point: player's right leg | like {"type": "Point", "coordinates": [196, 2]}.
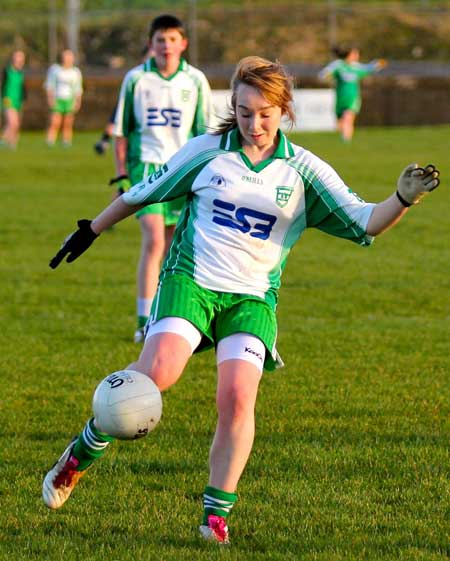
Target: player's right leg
{"type": "Point", "coordinates": [53, 128]}
{"type": "Point", "coordinates": [152, 253]}
{"type": "Point", "coordinates": [11, 132]}
{"type": "Point", "coordinates": [81, 452]}
{"type": "Point", "coordinates": [163, 357]}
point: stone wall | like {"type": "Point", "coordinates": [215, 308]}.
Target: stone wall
{"type": "Point", "coordinates": [386, 101]}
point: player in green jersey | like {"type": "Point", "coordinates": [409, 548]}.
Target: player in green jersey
{"type": "Point", "coordinates": [13, 95]}
{"type": "Point", "coordinates": [64, 92]}
{"type": "Point", "coordinates": [250, 195]}
{"type": "Point", "coordinates": [162, 104]}
{"type": "Point", "coordinates": [347, 73]}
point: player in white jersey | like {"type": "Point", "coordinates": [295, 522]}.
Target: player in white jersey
{"type": "Point", "coordinates": [162, 104]}
{"type": "Point", "coordinates": [251, 193]}
{"type": "Point", "coordinates": [64, 87]}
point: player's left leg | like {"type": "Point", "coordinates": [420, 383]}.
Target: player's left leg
{"type": "Point", "coordinates": [348, 125]}
{"type": "Point", "coordinates": [240, 360]}
{"type": "Point", "coordinates": [12, 126]}
{"type": "Point", "coordinates": [67, 128]}
{"type": "Point", "coordinates": [152, 253]}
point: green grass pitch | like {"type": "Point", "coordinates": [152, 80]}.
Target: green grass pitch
{"type": "Point", "coordinates": [351, 460]}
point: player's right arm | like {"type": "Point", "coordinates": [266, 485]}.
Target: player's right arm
{"type": "Point", "coordinates": [173, 180]}
{"type": "Point", "coordinates": [328, 71]}
{"type": "Point", "coordinates": [50, 84]}
{"type": "Point", "coordinates": [123, 120]}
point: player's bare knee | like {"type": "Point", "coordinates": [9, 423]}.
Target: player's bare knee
{"type": "Point", "coordinates": [236, 404]}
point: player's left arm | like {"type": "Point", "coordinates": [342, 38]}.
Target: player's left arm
{"type": "Point", "coordinates": [368, 68]}
{"type": "Point", "coordinates": [413, 184]}
{"type": "Point", "coordinates": [78, 90]}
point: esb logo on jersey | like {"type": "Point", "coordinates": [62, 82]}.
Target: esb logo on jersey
{"type": "Point", "coordinates": [246, 220]}
{"type": "Point", "coordinates": [166, 117]}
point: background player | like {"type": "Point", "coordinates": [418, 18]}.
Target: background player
{"type": "Point", "coordinates": [162, 104]}
{"type": "Point", "coordinates": [64, 91]}
{"type": "Point", "coordinates": [102, 145]}
{"type": "Point", "coordinates": [251, 194]}
{"type": "Point", "coordinates": [13, 96]}
{"type": "Point", "coordinates": [347, 73]}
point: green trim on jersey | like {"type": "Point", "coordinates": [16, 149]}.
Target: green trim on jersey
{"type": "Point", "coordinates": [293, 234]}
{"type": "Point", "coordinates": [200, 122]}
{"type": "Point", "coordinates": [151, 66]}
{"type": "Point", "coordinates": [129, 123]}
{"type": "Point", "coordinates": [182, 244]}
{"type": "Point", "coordinates": [180, 181]}
{"type": "Point", "coordinates": [323, 211]}
{"type": "Point", "coordinates": [231, 142]}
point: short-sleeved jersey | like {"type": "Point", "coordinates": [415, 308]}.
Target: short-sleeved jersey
{"type": "Point", "coordinates": [13, 87]}
{"type": "Point", "coordinates": [347, 77]}
{"type": "Point", "coordinates": [158, 115]}
{"type": "Point", "coordinates": [64, 83]}
{"type": "Point", "coordinates": [241, 220]}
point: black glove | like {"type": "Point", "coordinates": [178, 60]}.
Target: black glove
{"type": "Point", "coordinates": [75, 244]}
{"type": "Point", "coordinates": [123, 183]}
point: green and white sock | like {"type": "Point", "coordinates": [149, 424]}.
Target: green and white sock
{"type": "Point", "coordinates": [91, 445]}
{"type": "Point", "coordinates": [218, 502]}
{"type": "Point", "coordinates": [143, 307]}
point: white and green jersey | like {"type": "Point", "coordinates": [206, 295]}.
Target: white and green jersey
{"type": "Point", "coordinates": [159, 115]}
{"type": "Point", "coordinates": [241, 220]}
{"type": "Point", "coordinates": [64, 83]}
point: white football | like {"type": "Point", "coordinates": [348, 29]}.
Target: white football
{"type": "Point", "coordinates": [127, 405]}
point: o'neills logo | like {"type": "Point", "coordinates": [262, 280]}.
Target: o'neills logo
{"type": "Point", "coordinates": [251, 179]}
{"type": "Point", "coordinates": [283, 195]}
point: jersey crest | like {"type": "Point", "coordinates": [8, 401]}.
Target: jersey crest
{"type": "Point", "coordinates": [283, 194]}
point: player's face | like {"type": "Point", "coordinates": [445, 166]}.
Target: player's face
{"type": "Point", "coordinates": [67, 58]}
{"type": "Point", "coordinates": [353, 55]}
{"type": "Point", "coordinates": [168, 45]}
{"type": "Point", "coordinates": [18, 59]}
{"type": "Point", "coordinates": [257, 119]}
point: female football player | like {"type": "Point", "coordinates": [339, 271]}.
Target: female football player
{"type": "Point", "coordinates": [347, 73]}
{"type": "Point", "coordinates": [251, 193]}
{"type": "Point", "coordinates": [64, 87]}
{"type": "Point", "coordinates": [13, 96]}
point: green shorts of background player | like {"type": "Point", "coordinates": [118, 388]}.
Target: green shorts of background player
{"type": "Point", "coordinates": [12, 103]}
{"type": "Point", "coordinates": [62, 116]}
{"type": "Point", "coordinates": [170, 210]}
{"type": "Point", "coordinates": [352, 104]}
{"type": "Point", "coordinates": [63, 106]}
{"type": "Point", "coordinates": [347, 109]}
{"type": "Point", "coordinates": [157, 223]}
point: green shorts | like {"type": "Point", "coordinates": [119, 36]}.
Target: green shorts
{"type": "Point", "coordinates": [217, 314]}
{"type": "Point", "coordinates": [171, 210]}
{"type": "Point", "coordinates": [12, 103]}
{"type": "Point", "coordinates": [63, 106]}
{"type": "Point", "coordinates": [349, 104]}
